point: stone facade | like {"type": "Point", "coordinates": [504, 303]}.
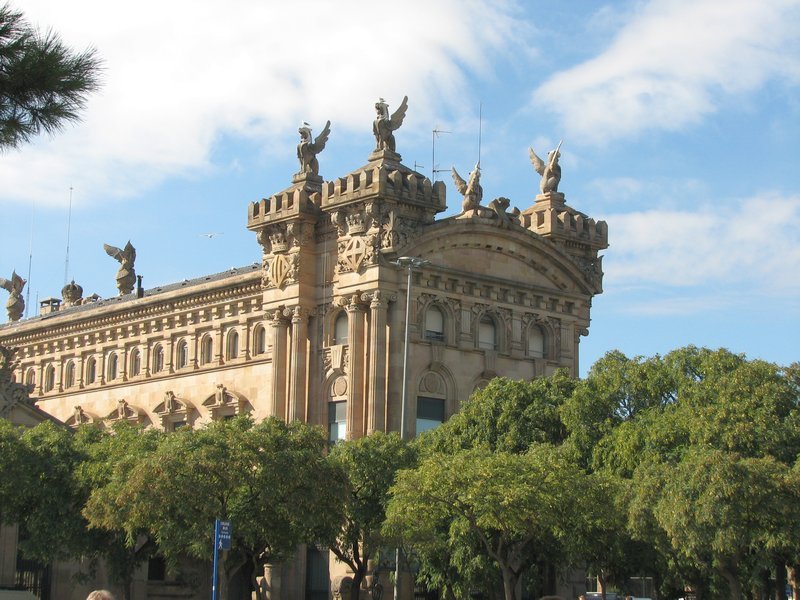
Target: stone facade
{"type": "Point", "coordinates": [315, 330]}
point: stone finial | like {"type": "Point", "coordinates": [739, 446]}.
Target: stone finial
{"type": "Point", "coordinates": [126, 276]}
{"type": "Point", "coordinates": [308, 149]}
{"type": "Point", "coordinates": [15, 304]}
{"type": "Point", "coordinates": [72, 294]}
{"type": "Point", "coordinates": [550, 171]}
{"type": "Point", "coordinates": [471, 190]}
{"type": "Point", "coordinates": [384, 125]}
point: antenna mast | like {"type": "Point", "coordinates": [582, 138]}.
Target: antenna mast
{"type": "Point", "coordinates": [69, 227]}
{"type": "Point", "coordinates": [480, 128]}
{"type": "Point", "coordinates": [435, 134]}
{"type": "Point", "coordinates": [30, 262]}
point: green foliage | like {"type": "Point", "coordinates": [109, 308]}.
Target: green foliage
{"type": "Point", "coordinates": [506, 416]}
{"type": "Point", "coordinates": [369, 465]}
{"type": "Point", "coordinates": [43, 83]}
{"type": "Point", "coordinates": [514, 509]}
{"type": "Point", "coordinates": [269, 480]}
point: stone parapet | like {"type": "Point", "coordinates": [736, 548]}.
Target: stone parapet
{"type": "Point", "coordinates": [551, 217]}
{"type": "Point", "coordinates": [283, 206]}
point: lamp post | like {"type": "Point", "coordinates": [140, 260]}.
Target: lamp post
{"type": "Point", "coordinates": [409, 263]}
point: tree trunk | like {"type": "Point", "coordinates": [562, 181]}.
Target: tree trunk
{"type": "Point", "coordinates": [734, 587]}
{"type": "Point", "coordinates": [358, 577]}
{"type": "Point", "coordinates": [510, 580]}
{"type": "Point", "coordinates": [601, 582]}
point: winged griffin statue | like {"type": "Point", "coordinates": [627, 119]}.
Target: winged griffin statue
{"type": "Point", "coordinates": [15, 304]}
{"type": "Point", "coordinates": [126, 276]}
{"type": "Point", "coordinates": [471, 190]}
{"type": "Point", "coordinates": [384, 125]}
{"type": "Point", "coordinates": [550, 171]}
{"type": "Point", "coordinates": [308, 149]}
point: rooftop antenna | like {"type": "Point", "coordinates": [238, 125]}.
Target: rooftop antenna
{"type": "Point", "coordinates": [480, 128]}
{"type": "Point", "coordinates": [69, 227]}
{"type": "Point", "coordinates": [30, 262]}
{"type": "Point", "coordinates": [435, 134]}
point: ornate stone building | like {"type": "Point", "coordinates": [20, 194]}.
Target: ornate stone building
{"type": "Point", "coordinates": [316, 329]}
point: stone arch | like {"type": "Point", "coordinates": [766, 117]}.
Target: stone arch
{"type": "Point", "coordinates": [225, 403]}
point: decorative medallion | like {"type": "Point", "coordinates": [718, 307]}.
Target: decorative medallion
{"type": "Point", "coordinates": [280, 270]}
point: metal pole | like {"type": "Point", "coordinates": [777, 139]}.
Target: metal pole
{"type": "Point", "coordinates": [214, 581]}
{"type": "Point", "coordinates": [410, 263]}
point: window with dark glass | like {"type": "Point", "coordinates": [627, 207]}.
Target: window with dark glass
{"type": "Point", "coordinates": [91, 370]}
{"type": "Point", "coordinates": [158, 359]}
{"type": "Point", "coordinates": [206, 350]}
{"type": "Point", "coordinates": [112, 367]}
{"type": "Point", "coordinates": [430, 413]}
{"type": "Point", "coordinates": [136, 362]}
{"type": "Point", "coordinates": [232, 348]}
{"type": "Point", "coordinates": [69, 375]}
{"type": "Point", "coordinates": [337, 421]}
{"type": "Point", "coordinates": [340, 329]}
{"type": "Point", "coordinates": [49, 378]}
{"type": "Point", "coordinates": [183, 354]}
{"type": "Point", "coordinates": [261, 340]}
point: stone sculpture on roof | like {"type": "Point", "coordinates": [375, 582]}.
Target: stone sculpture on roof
{"type": "Point", "coordinates": [550, 171]}
{"type": "Point", "coordinates": [15, 304]}
{"type": "Point", "coordinates": [126, 276]}
{"type": "Point", "coordinates": [384, 125]}
{"type": "Point", "coordinates": [471, 190]}
{"type": "Point", "coordinates": [308, 149]}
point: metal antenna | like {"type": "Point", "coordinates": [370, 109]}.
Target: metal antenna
{"type": "Point", "coordinates": [480, 128]}
{"type": "Point", "coordinates": [30, 262]}
{"type": "Point", "coordinates": [435, 134]}
{"type": "Point", "coordinates": [69, 227]}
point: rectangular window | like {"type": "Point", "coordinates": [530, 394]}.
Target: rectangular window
{"type": "Point", "coordinates": [430, 413]}
{"type": "Point", "coordinates": [337, 421]}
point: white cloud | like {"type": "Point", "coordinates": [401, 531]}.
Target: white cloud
{"type": "Point", "coordinates": [751, 244]}
{"type": "Point", "coordinates": [672, 63]}
{"type": "Point", "coordinates": [180, 74]}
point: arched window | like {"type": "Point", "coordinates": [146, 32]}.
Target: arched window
{"type": "Point", "coordinates": [30, 378]}
{"type": "Point", "coordinates": [111, 370]}
{"type": "Point", "coordinates": [69, 374]}
{"type": "Point", "coordinates": [183, 354]}
{"type": "Point", "coordinates": [206, 350]}
{"type": "Point", "coordinates": [136, 362]}
{"type": "Point", "coordinates": [49, 378]}
{"type": "Point", "coordinates": [158, 359]}
{"type": "Point", "coordinates": [487, 334]}
{"type": "Point", "coordinates": [337, 421]}
{"type": "Point", "coordinates": [260, 342]}
{"type": "Point", "coordinates": [232, 345]}
{"type": "Point", "coordinates": [91, 370]}
{"type": "Point", "coordinates": [340, 327]}
{"type": "Point", "coordinates": [536, 347]}
{"type": "Point", "coordinates": [434, 324]}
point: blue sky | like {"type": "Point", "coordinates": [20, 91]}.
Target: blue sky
{"type": "Point", "coordinates": [680, 121]}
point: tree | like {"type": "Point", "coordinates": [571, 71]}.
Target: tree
{"type": "Point", "coordinates": [507, 416]}
{"type": "Point", "coordinates": [690, 401]}
{"type": "Point", "coordinates": [43, 83]}
{"type": "Point", "coordinates": [270, 480]}
{"type": "Point", "coordinates": [520, 508]}
{"type": "Point", "coordinates": [370, 464]}
{"type": "Point", "coordinates": [112, 456]}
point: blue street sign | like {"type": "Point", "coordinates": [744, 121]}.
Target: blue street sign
{"type": "Point", "coordinates": [225, 533]}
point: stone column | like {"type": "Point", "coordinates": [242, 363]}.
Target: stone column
{"type": "Point", "coordinates": [279, 366]}
{"type": "Point", "coordinates": [355, 376]}
{"type": "Point", "coordinates": [298, 365]}
{"type": "Point", "coordinates": [376, 382]}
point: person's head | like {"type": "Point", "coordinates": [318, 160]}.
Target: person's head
{"type": "Point", "coordinates": [100, 595]}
